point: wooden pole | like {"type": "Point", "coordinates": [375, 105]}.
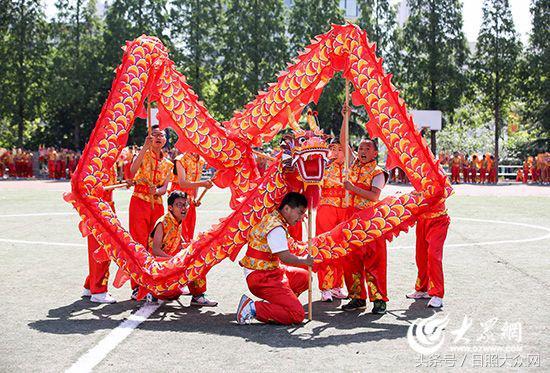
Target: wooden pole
{"type": "Point", "coordinates": [346, 146]}
{"type": "Point", "coordinates": [309, 242]}
{"type": "Point", "coordinates": [202, 195]}
{"type": "Point", "coordinates": [116, 186]}
{"type": "Point", "coordinates": [149, 132]}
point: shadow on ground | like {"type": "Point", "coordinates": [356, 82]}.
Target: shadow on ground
{"type": "Point", "coordinates": [331, 326]}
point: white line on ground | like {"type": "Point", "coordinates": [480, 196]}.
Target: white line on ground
{"type": "Point", "coordinates": [97, 353]}
{"type": "Point", "coordinates": [42, 243]}
{"type": "Point", "coordinates": [546, 236]}
{"type": "Point", "coordinates": [75, 214]}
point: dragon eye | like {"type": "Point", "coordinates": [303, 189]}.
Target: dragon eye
{"type": "Point", "coordinates": [301, 140]}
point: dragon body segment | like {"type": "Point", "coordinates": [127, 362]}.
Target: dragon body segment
{"type": "Point", "coordinates": [147, 72]}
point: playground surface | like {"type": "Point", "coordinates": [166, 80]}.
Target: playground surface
{"type": "Point", "coordinates": [496, 263]}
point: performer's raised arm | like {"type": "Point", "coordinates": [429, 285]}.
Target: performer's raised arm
{"type": "Point", "coordinates": [344, 140]}
{"type": "Point", "coordinates": [136, 163]}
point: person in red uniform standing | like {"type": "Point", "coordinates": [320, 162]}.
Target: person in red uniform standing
{"type": "Point", "coordinates": [187, 178]}
{"type": "Point", "coordinates": [455, 168]}
{"type": "Point", "coordinates": [166, 241]}
{"type": "Point", "coordinates": [431, 232]}
{"type": "Point", "coordinates": [278, 285]}
{"type": "Point", "coordinates": [97, 280]}
{"type": "Point", "coordinates": [369, 263]}
{"type": "Point", "coordinates": [151, 174]}
{"type": "Point", "coordinates": [332, 211]}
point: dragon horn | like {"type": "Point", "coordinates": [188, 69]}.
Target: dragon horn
{"type": "Point", "coordinates": [292, 120]}
{"type": "Point", "coordinates": [312, 120]}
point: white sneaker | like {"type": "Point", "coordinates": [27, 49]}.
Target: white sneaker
{"type": "Point", "coordinates": [326, 296]}
{"type": "Point", "coordinates": [435, 302]}
{"type": "Point", "coordinates": [245, 312]}
{"type": "Point", "coordinates": [202, 301]}
{"type": "Point", "coordinates": [339, 293]}
{"type": "Point", "coordinates": [102, 298]}
{"type": "Point", "coordinates": [418, 295]}
{"type": "Point", "coordinates": [86, 293]}
{"type": "Point", "coordinates": [150, 298]}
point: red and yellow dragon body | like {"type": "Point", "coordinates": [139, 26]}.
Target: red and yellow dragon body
{"type": "Point", "coordinates": [147, 72]}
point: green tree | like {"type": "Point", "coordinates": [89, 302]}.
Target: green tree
{"type": "Point", "coordinates": [24, 43]}
{"type": "Point", "coordinates": [535, 72]}
{"type": "Point", "coordinates": [254, 49]}
{"type": "Point", "coordinates": [435, 56]}
{"type": "Point", "coordinates": [309, 18]}
{"type": "Point", "coordinates": [126, 20]}
{"type": "Point", "coordinates": [495, 63]}
{"type": "Point", "coordinates": [378, 19]}
{"type": "Point", "coordinates": [196, 33]}
{"type": "Point", "coordinates": [75, 73]}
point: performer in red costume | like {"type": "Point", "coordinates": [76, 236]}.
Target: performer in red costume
{"type": "Point", "coordinates": [369, 263]}
{"type": "Point", "coordinates": [187, 177]}
{"type": "Point", "coordinates": [332, 211]}
{"type": "Point", "coordinates": [97, 280]}
{"type": "Point", "coordinates": [166, 241]}
{"type": "Point", "coordinates": [455, 168]}
{"type": "Point", "coordinates": [431, 232]}
{"type": "Point", "coordinates": [278, 285]}
{"type": "Point", "coordinates": [151, 173]}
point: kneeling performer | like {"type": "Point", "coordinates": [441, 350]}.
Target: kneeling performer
{"type": "Point", "coordinates": [278, 285]}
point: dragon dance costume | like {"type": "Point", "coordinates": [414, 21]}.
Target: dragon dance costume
{"type": "Point", "coordinates": [431, 232]}
{"type": "Point", "coordinates": [367, 264]}
{"type": "Point", "coordinates": [193, 165]}
{"type": "Point", "coordinates": [172, 241]}
{"type": "Point", "coordinates": [332, 211]}
{"type": "Point", "coordinates": [144, 213]}
{"type": "Point", "coordinates": [278, 285]}
{"type": "Point", "coordinates": [98, 261]}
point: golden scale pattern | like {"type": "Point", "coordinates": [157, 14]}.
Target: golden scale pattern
{"type": "Point", "coordinates": [146, 71]}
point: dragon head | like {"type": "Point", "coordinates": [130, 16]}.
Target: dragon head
{"type": "Point", "coordinates": [306, 151]}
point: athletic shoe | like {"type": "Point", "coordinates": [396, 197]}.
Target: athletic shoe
{"type": "Point", "coordinates": [418, 295]}
{"type": "Point", "coordinates": [355, 305]}
{"type": "Point", "coordinates": [86, 293]}
{"type": "Point", "coordinates": [339, 293]}
{"type": "Point", "coordinates": [435, 302]}
{"type": "Point", "coordinates": [202, 301]}
{"type": "Point", "coordinates": [102, 298]}
{"type": "Point", "coordinates": [379, 307]}
{"type": "Point", "coordinates": [134, 293]}
{"type": "Point", "coordinates": [326, 296]}
{"type": "Point", "coordinates": [150, 298]}
{"type": "Point", "coordinates": [245, 312]}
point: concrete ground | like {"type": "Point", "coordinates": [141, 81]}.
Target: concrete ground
{"type": "Point", "coordinates": [496, 305]}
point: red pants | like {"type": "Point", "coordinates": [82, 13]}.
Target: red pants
{"type": "Point", "coordinates": [11, 170]}
{"type": "Point", "coordinates": [98, 276]}
{"type": "Point", "coordinates": [328, 217]}
{"type": "Point", "coordinates": [482, 175]}
{"type": "Point", "coordinates": [142, 220]}
{"type": "Point", "coordinates": [466, 174]}
{"type": "Point", "coordinates": [430, 237]}
{"type": "Point", "coordinates": [455, 174]}
{"type": "Point", "coordinates": [492, 176]}
{"type": "Point", "coordinates": [473, 175]}
{"type": "Point", "coordinates": [51, 169]}
{"type": "Point", "coordinates": [367, 264]}
{"type": "Point", "coordinates": [279, 289]}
